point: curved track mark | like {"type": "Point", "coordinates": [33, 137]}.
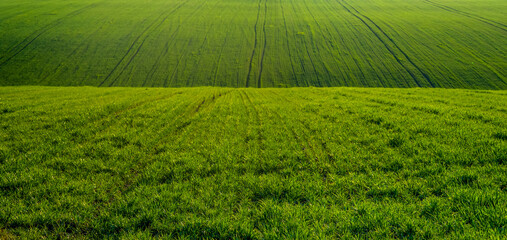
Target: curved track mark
{"type": "Point", "coordinates": [469, 15]}
{"type": "Point", "coordinates": [151, 27]}
{"type": "Point", "coordinates": [219, 60]}
{"type": "Point", "coordinates": [287, 40]}
{"type": "Point", "coordinates": [255, 45]}
{"type": "Point", "coordinates": [357, 14]}
{"type": "Point", "coordinates": [317, 47]}
{"type": "Point", "coordinates": [264, 46]}
{"type": "Point", "coordinates": [14, 51]}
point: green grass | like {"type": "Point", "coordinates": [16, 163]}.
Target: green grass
{"type": "Point", "coordinates": [295, 163]}
{"type": "Point", "coordinates": [254, 43]}
{"type": "Point", "coordinates": [245, 163]}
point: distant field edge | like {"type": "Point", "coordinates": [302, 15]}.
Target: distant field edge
{"type": "Point", "coordinates": [243, 88]}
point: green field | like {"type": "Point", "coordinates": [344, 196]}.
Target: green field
{"type": "Point", "coordinates": [300, 163]}
{"type": "Point", "coordinates": [254, 43]}
{"type": "Point", "coordinates": [253, 119]}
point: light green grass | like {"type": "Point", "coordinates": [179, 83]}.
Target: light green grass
{"type": "Point", "coordinates": [300, 163]}
{"type": "Point", "coordinates": [254, 43]}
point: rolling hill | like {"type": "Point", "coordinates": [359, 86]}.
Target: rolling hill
{"type": "Point", "coordinates": [250, 43]}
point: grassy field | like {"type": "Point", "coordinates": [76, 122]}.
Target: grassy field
{"type": "Point", "coordinates": [293, 163]}
{"type": "Point", "coordinates": [409, 160]}
{"type": "Point", "coordinates": [254, 43]}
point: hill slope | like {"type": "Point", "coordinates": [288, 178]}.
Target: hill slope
{"type": "Point", "coordinates": [304, 163]}
{"type": "Point", "coordinates": [254, 43]}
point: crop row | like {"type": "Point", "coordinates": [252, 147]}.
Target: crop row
{"type": "Point", "coordinates": [252, 163]}
{"type": "Point", "coordinates": [265, 43]}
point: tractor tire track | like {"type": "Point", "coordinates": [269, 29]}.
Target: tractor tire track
{"type": "Point", "coordinates": [258, 119]}
{"type": "Point", "coordinates": [166, 51]}
{"type": "Point", "coordinates": [299, 141]}
{"type": "Point", "coordinates": [128, 179]}
{"type": "Point", "coordinates": [426, 77]}
{"type": "Point", "coordinates": [194, 72]}
{"type": "Point", "coordinates": [207, 103]}
{"type": "Point", "coordinates": [252, 105]}
{"type": "Point", "coordinates": [358, 15]}
{"type": "Point", "coordinates": [81, 48]}
{"type": "Point", "coordinates": [201, 47]}
{"type": "Point", "coordinates": [254, 119]}
{"type": "Point", "coordinates": [161, 19]}
{"type": "Point", "coordinates": [147, 35]}
{"type": "Point", "coordinates": [338, 36]}
{"type": "Point", "coordinates": [108, 121]}
{"type": "Point", "coordinates": [18, 48]}
{"type": "Point", "coordinates": [184, 53]}
{"type": "Point", "coordinates": [248, 112]}
{"type": "Point", "coordinates": [495, 24]}
{"type": "Point", "coordinates": [312, 63]}
{"type": "Point", "coordinates": [190, 76]}
{"type": "Point", "coordinates": [265, 43]}
{"type": "Point", "coordinates": [169, 78]}
{"type": "Point", "coordinates": [255, 45]}
{"type": "Point", "coordinates": [155, 66]}
{"type": "Point", "coordinates": [287, 41]}
{"type": "Point", "coordinates": [473, 54]}
{"type": "Point", "coordinates": [220, 59]}
{"type": "Point", "coordinates": [174, 129]}
{"type": "Point", "coordinates": [301, 60]}
{"type": "Point", "coordinates": [348, 71]}
{"type": "Point", "coordinates": [325, 149]}
{"type": "Point", "coordinates": [309, 57]}
{"type": "Point", "coordinates": [316, 47]}
{"type": "Point", "coordinates": [125, 56]}
{"type": "Point", "coordinates": [302, 139]}
{"type": "Point", "coordinates": [162, 54]}
{"type": "Point", "coordinates": [128, 63]}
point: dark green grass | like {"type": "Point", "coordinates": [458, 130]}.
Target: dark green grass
{"type": "Point", "coordinates": [295, 163]}
{"type": "Point", "coordinates": [254, 43]}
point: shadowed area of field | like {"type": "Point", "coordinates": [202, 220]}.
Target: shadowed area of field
{"type": "Point", "coordinates": [254, 43]}
{"type": "Point", "coordinates": [252, 163]}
